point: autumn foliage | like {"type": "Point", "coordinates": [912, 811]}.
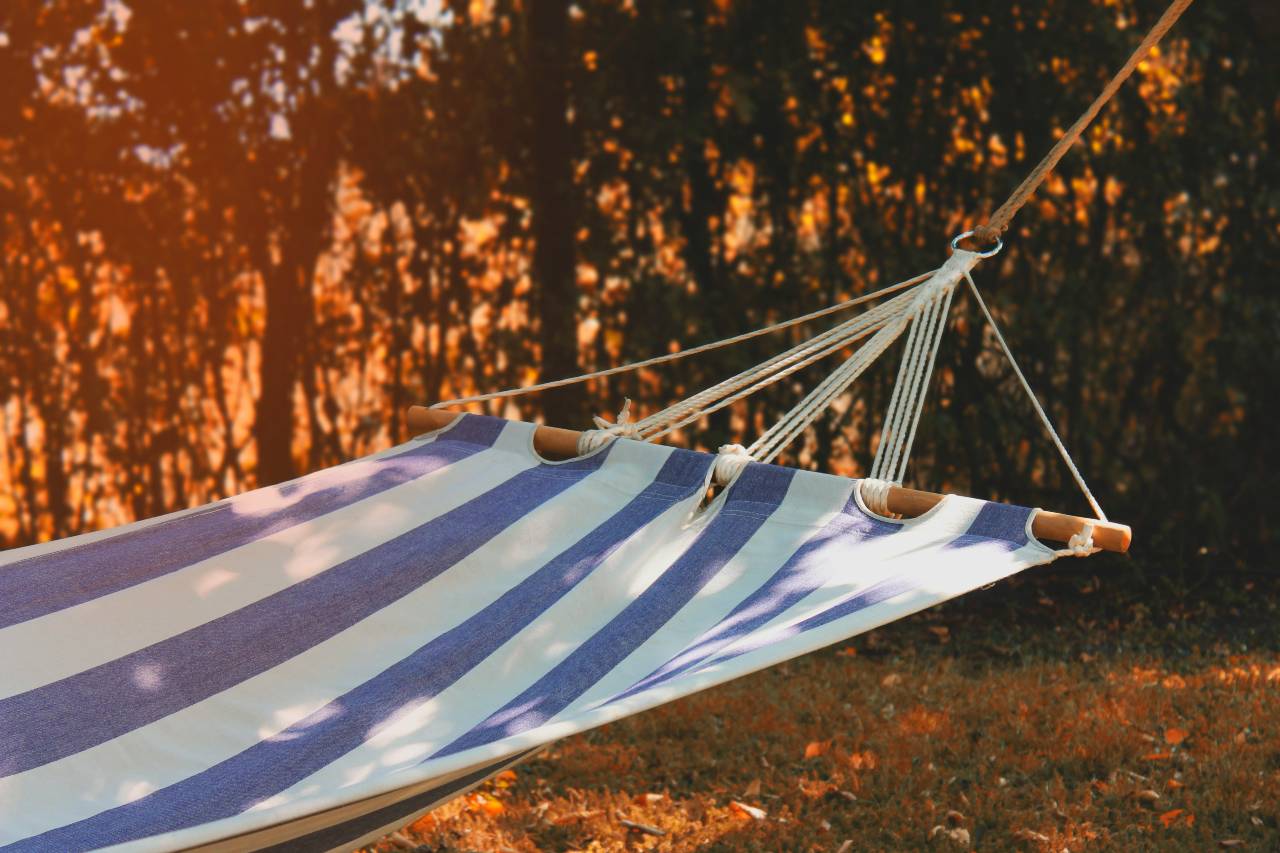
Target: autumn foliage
{"type": "Point", "coordinates": [239, 237]}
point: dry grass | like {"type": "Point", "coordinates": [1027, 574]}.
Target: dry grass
{"type": "Point", "coordinates": [1005, 722]}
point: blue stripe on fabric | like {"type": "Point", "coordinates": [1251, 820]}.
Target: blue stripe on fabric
{"type": "Point", "coordinates": [50, 582]}
{"type": "Point", "coordinates": [392, 815]}
{"type": "Point", "coordinates": [804, 572]}
{"type": "Point", "coordinates": [93, 706]}
{"type": "Point", "coordinates": [987, 527]}
{"type": "Point", "coordinates": [1004, 524]}
{"type": "Point", "coordinates": [750, 501]}
{"type": "Point", "coordinates": [271, 766]}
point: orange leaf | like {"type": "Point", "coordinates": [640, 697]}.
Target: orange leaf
{"type": "Point", "coordinates": [815, 748]}
{"type": "Point", "coordinates": [1170, 817]}
{"type": "Point", "coordinates": [426, 823]}
{"type": "Point", "coordinates": [1156, 756]}
{"type": "Point", "coordinates": [1173, 737]}
{"type": "Point", "coordinates": [746, 811]}
{"type": "Point", "coordinates": [491, 806]}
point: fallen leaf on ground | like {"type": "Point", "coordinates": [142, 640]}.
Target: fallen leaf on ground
{"type": "Point", "coordinates": [958, 836]}
{"type": "Point", "coordinates": [753, 790]}
{"type": "Point", "coordinates": [643, 828]}
{"type": "Point", "coordinates": [576, 817]}
{"type": "Point", "coordinates": [816, 748]}
{"type": "Point", "coordinates": [1170, 817]}
{"type": "Point", "coordinates": [863, 761]}
{"type": "Point", "coordinates": [1031, 835]}
{"type": "Point", "coordinates": [426, 823]}
{"type": "Point", "coordinates": [1146, 796]}
{"type": "Point", "coordinates": [744, 810]}
{"type": "Point", "coordinates": [890, 680]}
{"type": "Point", "coordinates": [491, 806]}
{"type": "Point", "coordinates": [648, 799]}
{"type": "Point", "coordinates": [1173, 737]}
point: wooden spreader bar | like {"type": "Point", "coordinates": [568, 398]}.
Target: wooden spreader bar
{"type": "Point", "coordinates": [557, 443]}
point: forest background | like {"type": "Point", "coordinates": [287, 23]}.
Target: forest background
{"type": "Point", "coordinates": [238, 238]}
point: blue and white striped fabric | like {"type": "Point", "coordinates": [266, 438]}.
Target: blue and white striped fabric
{"type": "Point", "coordinates": [307, 665]}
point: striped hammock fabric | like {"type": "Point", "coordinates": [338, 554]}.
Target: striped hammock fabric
{"type": "Point", "coordinates": [307, 666]}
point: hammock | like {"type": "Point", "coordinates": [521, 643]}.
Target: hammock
{"type": "Point", "coordinates": [392, 630]}
{"type": "Point", "coordinates": [310, 665]}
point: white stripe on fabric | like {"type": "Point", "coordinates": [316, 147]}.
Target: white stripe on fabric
{"type": "Point", "coordinates": [402, 742]}
{"type": "Point", "coordinates": [141, 615]}
{"type": "Point", "coordinates": [809, 503]}
{"type": "Point", "coordinates": [165, 752]}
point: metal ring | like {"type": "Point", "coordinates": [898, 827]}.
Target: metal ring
{"type": "Point", "coordinates": [955, 245]}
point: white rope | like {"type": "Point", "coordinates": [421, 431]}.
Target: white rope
{"type": "Point", "coordinates": [753, 379]}
{"type": "Point", "coordinates": [905, 393]}
{"type": "Point", "coordinates": [730, 460]}
{"type": "Point", "coordinates": [669, 357]}
{"type": "Point", "coordinates": [889, 428]}
{"type": "Point", "coordinates": [1080, 544]}
{"type": "Point", "coordinates": [906, 404]}
{"type": "Point", "coordinates": [875, 494]}
{"type": "Point", "coordinates": [1044, 418]}
{"type": "Point", "coordinates": [922, 314]}
{"type": "Point", "coordinates": [925, 371]}
{"type": "Point", "coordinates": [798, 419]}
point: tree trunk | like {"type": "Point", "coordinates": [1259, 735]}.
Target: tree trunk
{"type": "Point", "coordinates": [554, 219]}
{"type": "Point", "coordinates": [273, 422]}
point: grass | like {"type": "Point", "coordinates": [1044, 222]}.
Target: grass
{"type": "Point", "coordinates": [1048, 713]}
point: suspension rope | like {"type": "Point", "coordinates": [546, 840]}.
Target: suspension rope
{"type": "Point", "coordinates": [923, 307]}
{"type": "Point", "coordinates": [999, 221]}
{"type": "Point", "coordinates": [922, 315]}
{"type": "Point", "coordinates": [1044, 418]}
{"type": "Point", "coordinates": [669, 357]}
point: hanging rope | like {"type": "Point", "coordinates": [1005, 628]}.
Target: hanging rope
{"type": "Point", "coordinates": [921, 314]}
{"type": "Point", "coordinates": [675, 356]}
{"type": "Point", "coordinates": [999, 221]}
{"type": "Point", "coordinates": [1044, 418]}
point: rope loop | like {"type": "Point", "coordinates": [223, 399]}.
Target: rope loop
{"type": "Point", "coordinates": [983, 234]}
{"type": "Point", "coordinates": [730, 460]}
{"type": "Point", "coordinates": [1080, 544]}
{"type": "Point", "coordinates": [875, 494]}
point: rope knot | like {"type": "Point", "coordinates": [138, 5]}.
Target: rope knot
{"type": "Point", "coordinates": [622, 427]}
{"type": "Point", "coordinates": [1081, 544]}
{"type": "Point", "coordinates": [730, 460]}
